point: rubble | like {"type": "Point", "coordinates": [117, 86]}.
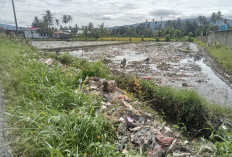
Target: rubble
{"type": "Point", "coordinates": [137, 129]}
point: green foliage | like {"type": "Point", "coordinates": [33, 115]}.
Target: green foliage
{"type": "Point", "coordinates": [66, 59]}
{"type": "Point", "coordinates": [48, 112]}
{"type": "Point", "coordinates": [168, 38]}
{"type": "Point", "coordinates": [222, 54]}
{"type": "Point", "coordinates": [224, 149]}
{"type": "Point", "coordinates": [157, 39]}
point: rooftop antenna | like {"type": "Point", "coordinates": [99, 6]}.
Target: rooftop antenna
{"type": "Point", "coordinates": [15, 17]}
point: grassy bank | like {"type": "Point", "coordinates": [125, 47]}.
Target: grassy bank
{"type": "Point", "coordinates": [48, 113]}
{"type": "Point", "coordinates": [221, 54]}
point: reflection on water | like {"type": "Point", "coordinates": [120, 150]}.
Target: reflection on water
{"type": "Point", "coordinates": [207, 71]}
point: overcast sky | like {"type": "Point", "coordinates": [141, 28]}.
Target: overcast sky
{"type": "Point", "coordinates": [111, 12]}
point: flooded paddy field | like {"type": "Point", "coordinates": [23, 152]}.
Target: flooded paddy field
{"type": "Point", "coordinates": [180, 65]}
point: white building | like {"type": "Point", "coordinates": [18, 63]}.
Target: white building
{"type": "Point", "coordinates": [33, 32]}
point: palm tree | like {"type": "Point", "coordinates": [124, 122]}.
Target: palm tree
{"type": "Point", "coordinates": [69, 18]}
{"type": "Point", "coordinates": [35, 22]}
{"type": "Point", "coordinates": [219, 17]}
{"type": "Point", "coordinates": [49, 17]}
{"type": "Point", "coordinates": [214, 17]}
{"type": "Point", "coordinates": [102, 30]}
{"type": "Point", "coordinates": [65, 19]}
{"type": "Point", "coordinates": [57, 22]}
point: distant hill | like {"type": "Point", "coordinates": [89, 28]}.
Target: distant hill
{"type": "Point", "coordinates": [10, 27]}
{"type": "Point", "coordinates": [164, 23]}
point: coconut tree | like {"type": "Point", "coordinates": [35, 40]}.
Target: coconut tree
{"type": "Point", "coordinates": [48, 17]}
{"type": "Point", "coordinates": [69, 18]}
{"type": "Point", "coordinates": [57, 22]}
{"type": "Point", "coordinates": [214, 17]}
{"type": "Point", "coordinates": [102, 30]}
{"type": "Point", "coordinates": [65, 19]}
{"type": "Point", "coordinates": [219, 17]}
{"type": "Point", "coordinates": [35, 22]}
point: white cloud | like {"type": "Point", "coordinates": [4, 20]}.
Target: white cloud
{"type": "Point", "coordinates": [112, 12]}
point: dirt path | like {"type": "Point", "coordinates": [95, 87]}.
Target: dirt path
{"type": "Point", "coordinates": [3, 147]}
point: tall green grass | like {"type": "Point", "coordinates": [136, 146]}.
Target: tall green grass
{"type": "Point", "coordinates": [47, 112]}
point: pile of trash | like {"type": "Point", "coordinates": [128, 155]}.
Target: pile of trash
{"type": "Point", "coordinates": [137, 129]}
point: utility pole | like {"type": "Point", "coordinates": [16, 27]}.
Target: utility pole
{"type": "Point", "coordinates": [161, 22]}
{"type": "Point", "coordinates": [15, 17]}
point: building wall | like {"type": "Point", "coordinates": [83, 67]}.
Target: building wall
{"type": "Point", "coordinates": [223, 37]}
{"type": "Point", "coordinates": [34, 34]}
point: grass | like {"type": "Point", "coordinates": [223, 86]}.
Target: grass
{"type": "Point", "coordinates": [221, 54]}
{"type": "Point", "coordinates": [47, 112]}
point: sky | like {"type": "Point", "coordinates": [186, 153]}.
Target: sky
{"type": "Point", "coordinates": [111, 12]}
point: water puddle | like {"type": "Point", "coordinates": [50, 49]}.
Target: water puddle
{"type": "Point", "coordinates": [211, 76]}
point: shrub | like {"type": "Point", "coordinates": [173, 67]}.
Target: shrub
{"type": "Point", "coordinates": [168, 39]}
{"type": "Point", "coordinates": [66, 59]}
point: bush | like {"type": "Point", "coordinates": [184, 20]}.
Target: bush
{"type": "Point", "coordinates": [157, 39]}
{"type": "Point", "coordinates": [167, 39]}
{"type": "Point", "coordinates": [66, 59]}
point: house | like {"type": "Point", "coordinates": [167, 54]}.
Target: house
{"type": "Point", "coordinates": [79, 33]}
{"type": "Point", "coordinates": [62, 34]}
{"type": "Point", "coordinates": [34, 32]}
{"type": "Point", "coordinates": [2, 30]}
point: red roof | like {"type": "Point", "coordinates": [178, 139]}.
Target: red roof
{"type": "Point", "coordinates": [32, 28]}
{"type": "Point", "coordinates": [58, 32]}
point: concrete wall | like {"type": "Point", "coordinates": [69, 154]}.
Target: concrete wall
{"type": "Point", "coordinates": [223, 37]}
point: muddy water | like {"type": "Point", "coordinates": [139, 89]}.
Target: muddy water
{"type": "Point", "coordinates": [174, 64]}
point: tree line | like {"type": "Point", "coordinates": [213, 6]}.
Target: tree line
{"type": "Point", "coordinates": [172, 29]}
{"type": "Point", "coordinates": [49, 24]}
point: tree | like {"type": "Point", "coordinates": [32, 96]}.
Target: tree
{"type": "Point", "coordinates": [65, 19]}
{"type": "Point", "coordinates": [57, 22]}
{"type": "Point", "coordinates": [219, 17]}
{"type": "Point", "coordinates": [214, 17]}
{"type": "Point", "coordinates": [48, 18]}
{"type": "Point", "coordinates": [177, 34]}
{"type": "Point", "coordinates": [69, 18]}
{"type": "Point", "coordinates": [102, 30]}
{"type": "Point", "coordinates": [35, 22]}
{"type": "Point", "coordinates": [204, 23]}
